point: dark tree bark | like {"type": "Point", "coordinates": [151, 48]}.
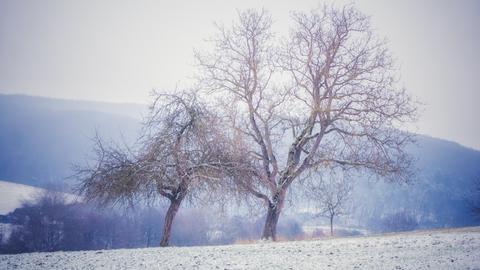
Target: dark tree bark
{"type": "Point", "coordinates": [273, 213]}
{"type": "Point", "coordinates": [167, 226]}
{"type": "Point", "coordinates": [331, 225]}
{"type": "Point", "coordinates": [270, 227]}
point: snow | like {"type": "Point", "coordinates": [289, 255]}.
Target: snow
{"type": "Point", "coordinates": [12, 195]}
{"type": "Point", "coordinates": [440, 249]}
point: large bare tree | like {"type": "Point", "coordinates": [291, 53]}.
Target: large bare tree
{"type": "Point", "coordinates": [182, 152]}
{"type": "Point", "coordinates": [325, 95]}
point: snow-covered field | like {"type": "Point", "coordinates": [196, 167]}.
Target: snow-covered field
{"type": "Point", "coordinates": [442, 249]}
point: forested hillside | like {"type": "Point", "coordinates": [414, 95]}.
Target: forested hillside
{"type": "Point", "coordinates": [42, 138]}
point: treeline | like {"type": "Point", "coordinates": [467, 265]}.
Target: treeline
{"type": "Point", "coordinates": [50, 223]}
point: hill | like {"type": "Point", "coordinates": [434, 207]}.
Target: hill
{"type": "Point", "coordinates": [447, 249]}
{"type": "Point", "coordinates": [438, 196]}
{"type": "Point", "coordinates": [12, 195]}
{"type": "Point", "coordinates": [41, 138]}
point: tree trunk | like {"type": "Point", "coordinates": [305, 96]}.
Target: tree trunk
{"type": "Point", "coordinates": [273, 213]}
{"type": "Point", "coordinates": [331, 225]}
{"type": "Point", "coordinates": [167, 226]}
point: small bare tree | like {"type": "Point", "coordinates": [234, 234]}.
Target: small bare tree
{"type": "Point", "coordinates": [326, 95]}
{"type": "Point", "coordinates": [181, 155]}
{"type": "Point", "coordinates": [331, 196]}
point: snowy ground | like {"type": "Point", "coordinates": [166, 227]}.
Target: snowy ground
{"type": "Point", "coordinates": [443, 249]}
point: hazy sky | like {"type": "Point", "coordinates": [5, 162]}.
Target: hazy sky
{"type": "Point", "coordinates": [119, 50]}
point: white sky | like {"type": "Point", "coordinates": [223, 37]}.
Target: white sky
{"type": "Point", "coordinates": [119, 50]}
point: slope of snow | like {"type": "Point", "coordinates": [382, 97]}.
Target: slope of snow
{"type": "Point", "coordinates": [445, 249]}
{"type": "Point", "coordinates": [12, 195]}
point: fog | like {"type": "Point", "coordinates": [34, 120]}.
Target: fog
{"type": "Point", "coordinates": [120, 50]}
{"type": "Point", "coordinates": [257, 139]}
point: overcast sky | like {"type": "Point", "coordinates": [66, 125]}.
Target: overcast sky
{"type": "Point", "coordinates": [119, 50]}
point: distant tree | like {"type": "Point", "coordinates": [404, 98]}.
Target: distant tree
{"type": "Point", "coordinates": [326, 95]}
{"type": "Point", "coordinates": [399, 221]}
{"type": "Point", "coordinates": [38, 224]}
{"type": "Point", "coordinates": [182, 153]}
{"type": "Point", "coordinates": [331, 196]}
{"type": "Point", "coordinates": [49, 224]}
{"type": "Point", "coordinates": [473, 198]}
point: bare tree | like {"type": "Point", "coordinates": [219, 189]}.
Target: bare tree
{"type": "Point", "coordinates": [327, 95]}
{"type": "Point", "coordinates": [331, 196]}
{"type": "Point", "coordinates": [181, 155]}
